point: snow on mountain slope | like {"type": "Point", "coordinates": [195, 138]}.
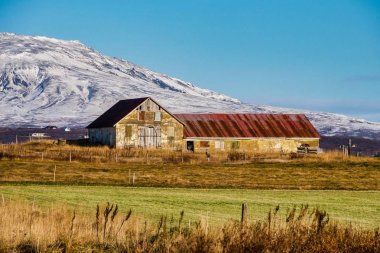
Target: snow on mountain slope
{"type": "Point", "coordinates": [49, 81]}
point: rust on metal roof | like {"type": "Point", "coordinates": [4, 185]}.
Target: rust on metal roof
{"type": "Point", "coordinates": [247, 126]}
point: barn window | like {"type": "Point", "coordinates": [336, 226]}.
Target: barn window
{"type": "Point", "coordinates": [235, 145]}
{"type": "Point", "coordinates": [171, 134]}
{"type": "Point", "coordinates": [157, 116]}
{"type": "Point", "coordinates": [171, 131]}
{"type": "Point", "coordinates": [149, 116]}
{"type": "Point", "coordinates": [204, 144]}
{"type": "Point", "coordinates": [219, 145]}
{"type": "Point", "coordinates": [128, 131]}
{"type": "Point", "coordinates": [141, 115]}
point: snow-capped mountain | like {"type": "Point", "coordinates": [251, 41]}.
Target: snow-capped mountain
{"type": "Point", "coordinates": [49, 81]}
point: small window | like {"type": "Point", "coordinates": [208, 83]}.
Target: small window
{"type": "Point", "coordinates": [170, 131]}
{"type": "Point", "coordinates": [128, 131]}
{"type": "Point", "coordinates": [190, 146]}
{"type": "Point", "coordinates": [157, 116]}
{"type": "Point", "coordinates": [204, 144]}
{"type": "Point", "coordinates": [142, 115]}
{"type": "Point", "coordinates": [219, 145]}
{"type": "Point", "coordinates": [235, 144]}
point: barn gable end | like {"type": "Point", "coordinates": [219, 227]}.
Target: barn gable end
{"type": "Point", "coordinates": [138, 122]}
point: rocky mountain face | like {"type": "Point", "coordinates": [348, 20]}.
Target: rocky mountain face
{"type": "Point", "coordinates": [45, 81]}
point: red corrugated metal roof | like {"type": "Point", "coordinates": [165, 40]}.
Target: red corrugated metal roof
{"type": "Point", "coordinates": [247, 126]}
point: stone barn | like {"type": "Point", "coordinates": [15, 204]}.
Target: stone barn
{"type": "Point", "coordinates": [139, 122]}
{"type": "Point", "coordinates": [142, 122]}
{"type": "Point", "coordinates": [260, 133]}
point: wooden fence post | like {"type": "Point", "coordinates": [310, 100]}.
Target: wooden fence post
{"type": "Point", "coordinates": [350, 147]}
{"type": "Point", "coordinates": [133, 179]}
{"type": "Point", "coordinates": [244, 213]}
{"type": "Point", "coordinates": [55, 168]}
{"type": "Point", "coordinates": [129, 177]}
{"type": "Point", "coordinates": [70, 155]}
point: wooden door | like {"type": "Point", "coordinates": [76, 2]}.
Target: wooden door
{"type": "Point", "coordinates": [149, 137]}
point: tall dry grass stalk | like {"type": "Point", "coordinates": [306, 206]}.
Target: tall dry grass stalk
{"type": "Point", "coordinates": [57, 229]}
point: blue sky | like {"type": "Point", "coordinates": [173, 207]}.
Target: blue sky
{"type": "Point", "coordinates": [321, 55]}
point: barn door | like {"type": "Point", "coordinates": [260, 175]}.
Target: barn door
{"type": "Point", "coordinates": [149, 137]}
{"type": "Point", "coordinates": [142, 137]}
{"type": "Point", "coordinates": [158, 137]}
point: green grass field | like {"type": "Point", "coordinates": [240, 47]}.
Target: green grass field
{"type": "Point", "coordinates": [361, 208]}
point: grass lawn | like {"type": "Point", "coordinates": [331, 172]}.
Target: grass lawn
{"type": "Point", "coordinates": [359, 207]}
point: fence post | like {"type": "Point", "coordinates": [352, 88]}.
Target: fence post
{"type": "Point", "coordinates": [55, 168]}
{"type": "Point", "coordinates": [129, 177]}
{"type": "Point", "coordinates": [42, 156]}
{"type": "Point", "coordinates": [133, 179]}
{"type": "Point", "coordinates": [349, 147]}
{"type": "Point", "coordinates": [70, 155]}
{"type": "Point", "coordinates": [244, 213]}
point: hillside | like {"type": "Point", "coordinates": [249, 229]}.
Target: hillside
{"type": "Point", "coordinates": [45, 81]}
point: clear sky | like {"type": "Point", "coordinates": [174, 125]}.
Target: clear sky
{"type": "Point", "coordinates": [313, 54]}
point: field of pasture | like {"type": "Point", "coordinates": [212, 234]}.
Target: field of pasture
{"type": "Point", "coordinates": [289, 174]}
{"type": "Point", "coordinates": [178, 197]}
{"type": "Point", "coordinates": [360, 208]}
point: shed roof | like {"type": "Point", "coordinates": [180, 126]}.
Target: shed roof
{"type": "Point", "coordinates": [247, 126]}
{"type": "Point", "coordinates": [116, 112]}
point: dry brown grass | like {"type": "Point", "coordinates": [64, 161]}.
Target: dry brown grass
{"type": "Point", "coordinates": [49, 150]}
{"type": "Point", "coordinates": [259, 175]}
{"type": "Point", "coordinates": [36, 162]}
{"type": "Point", "coordinates": [27, 228]}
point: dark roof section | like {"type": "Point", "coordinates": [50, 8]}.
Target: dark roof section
{"type": "Point", "coordinates": [247, 126]}
{"type": "Point", "coordinates": [116, 112]}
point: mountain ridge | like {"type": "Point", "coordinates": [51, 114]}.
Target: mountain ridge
{"type": "Point", "coordinates": [50, 81]}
